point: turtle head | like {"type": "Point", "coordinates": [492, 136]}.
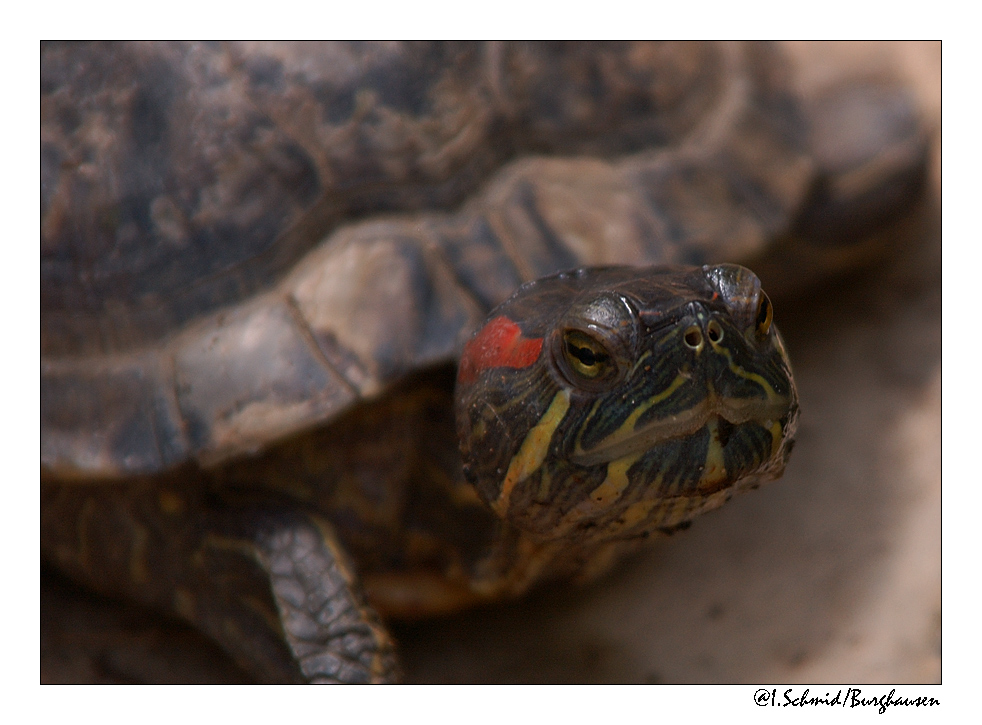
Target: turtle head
{"type": "Point", "coordinates": [622, 400]}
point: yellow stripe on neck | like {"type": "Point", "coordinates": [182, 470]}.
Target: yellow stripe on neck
{"type": "Point", "coordinates": [533, 450]}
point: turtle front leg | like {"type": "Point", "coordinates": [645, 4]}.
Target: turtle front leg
{"type": "Point", "coordinates": [271, 585]}
{"type": "Point", "coordinates": [331, 634]}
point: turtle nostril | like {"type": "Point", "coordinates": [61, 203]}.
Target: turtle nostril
{"type": "Point", "coordinates": [714, 331]}
{"type": "Point", "coordinates": [693, 338]}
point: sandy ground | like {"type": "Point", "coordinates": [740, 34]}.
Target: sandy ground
{"type": "Point", "coordinates": [832, 574]}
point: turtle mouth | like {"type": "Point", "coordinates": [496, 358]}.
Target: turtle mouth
{"type": "Point", "coordinates": [735, 411]}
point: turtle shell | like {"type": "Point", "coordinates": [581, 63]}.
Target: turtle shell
{"type": "Point", "coordinates": [211, 281]}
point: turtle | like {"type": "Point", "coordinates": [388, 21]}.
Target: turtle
{"type": "Point", "coordinates": [334, 333]}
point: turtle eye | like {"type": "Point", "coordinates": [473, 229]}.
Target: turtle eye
{"type": "Point", "coordinates": [585, 355]}
{"type": "Point", "coordinates": [765, 315]}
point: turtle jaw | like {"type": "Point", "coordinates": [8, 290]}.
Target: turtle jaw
{"type": "Point", "coordinates": [658, 478]}
{"type": "Point", "coordinates": [714, 409]}
{"type": "Point", "coordinates": [650, 483]}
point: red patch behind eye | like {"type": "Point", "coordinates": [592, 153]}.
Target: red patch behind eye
{"type": "Point", "coordinates": [498, 345]}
